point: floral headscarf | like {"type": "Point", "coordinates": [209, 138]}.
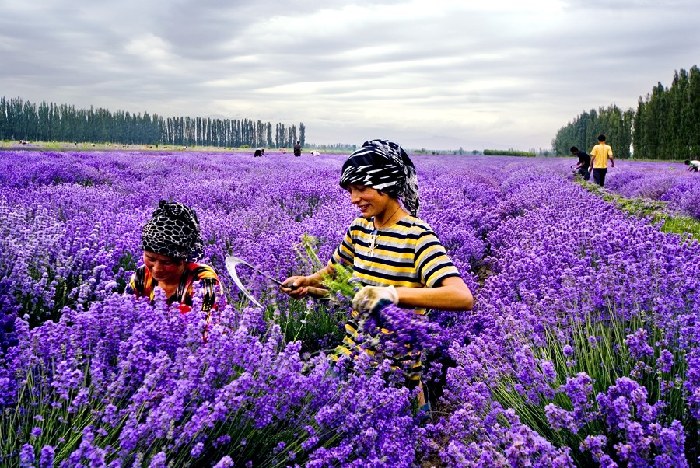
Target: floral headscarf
{"type": "Point", "coordinates": [173, 230]}
{"type": "Point", "coordinates": [385, 166]}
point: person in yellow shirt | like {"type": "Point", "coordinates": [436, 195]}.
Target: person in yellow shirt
{"type": "Point", "coordinates": [599, 160]}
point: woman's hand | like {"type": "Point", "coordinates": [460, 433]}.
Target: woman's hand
{"type": "Point", "coordinates": [296, 286]}
{"type": "Point", "coordinates": [371, 297]}
{"type": "Point", "coordinates": [301, 286]}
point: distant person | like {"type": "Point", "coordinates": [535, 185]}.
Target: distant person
{"type": "Point", "coordinates": [259, 152]}
{"type": "Point", "coordinates": [297, 149]}
{"type": "Point", "coordinates": [584, 162]}
{"type": "Point", "coordinates": [599, 160]}
{"type": "Point", "coordinates": [693, 166]}
{"type": "Point", "coordinates": [171, 243]}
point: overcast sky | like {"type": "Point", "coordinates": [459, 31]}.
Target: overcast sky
{"type": "Point", "coordinates": [439, 74]}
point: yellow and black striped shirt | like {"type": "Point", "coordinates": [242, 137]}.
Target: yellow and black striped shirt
{"type": "Point", "coordinates": [407, 254]}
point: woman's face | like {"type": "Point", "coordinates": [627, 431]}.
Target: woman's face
{"type": "Point", "coordinates": [370, 202]}
{"type": "Point", "coordinates": [164, 269]}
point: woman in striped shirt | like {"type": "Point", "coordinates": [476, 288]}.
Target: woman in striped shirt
{"type": "Point", "coordinates": [393, 254]}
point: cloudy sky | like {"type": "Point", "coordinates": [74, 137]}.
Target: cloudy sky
{"type": "Point", "coordinates": [438, 74]}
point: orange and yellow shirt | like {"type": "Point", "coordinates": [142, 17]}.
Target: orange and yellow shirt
{"type": "Point", "coordinates": [142, 284]}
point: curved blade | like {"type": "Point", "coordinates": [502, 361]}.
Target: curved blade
{"type": "Point", "coordinates": [231, 263]}
{"type": "Point", "coordinates": [235, 261]}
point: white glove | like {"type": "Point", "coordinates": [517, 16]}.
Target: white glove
{"type": "Point", "coordinates": [369, 297]}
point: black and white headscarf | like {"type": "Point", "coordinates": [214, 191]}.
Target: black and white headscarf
{"type": "Point", "coordinates": [385, 166]}
{"type": "Point", "coordinates": [173, 230]}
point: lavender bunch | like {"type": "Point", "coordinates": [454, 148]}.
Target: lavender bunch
{"type": "Point", "coordinates": [368, 422]}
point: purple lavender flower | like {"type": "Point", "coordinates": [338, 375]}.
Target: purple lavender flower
{"type": "Point", "coordinates": [26, 456]}
{"type": "Point", "coordinates": [638, 344]}
{"type": "Point", "coordinates": [225, 462]}
{"type": "Point", "coordinates": [197, 450]}
{"type": "Point", "coordinates": [46, 459]}
{"type": "Point", "coordinates": [158, 461]}
{"type": "Point", "coordinates": [568, 350]}
{"type": "Point", "coordinates": [665, 361]}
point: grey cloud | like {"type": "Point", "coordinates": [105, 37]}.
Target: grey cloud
{"type": "Point", "coordinates": [261, 59]}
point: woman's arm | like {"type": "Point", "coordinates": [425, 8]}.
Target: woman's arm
{"type": "Point", "coordinates": [452, 294]}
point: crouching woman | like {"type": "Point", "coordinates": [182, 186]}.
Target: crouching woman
{"type": "Point", "coordinates": [171, 242]}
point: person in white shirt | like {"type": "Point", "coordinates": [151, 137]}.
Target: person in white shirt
{"type": "Point", "coordinates": [693, 166]}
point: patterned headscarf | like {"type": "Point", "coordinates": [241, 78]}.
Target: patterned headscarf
{"type": "Point", "coordinates": [173, 231]}
{"type": "Point", "coordinates": [385, 166]}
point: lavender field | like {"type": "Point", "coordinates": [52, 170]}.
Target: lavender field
{"type": "Point", "coordinates": [583, 348]}
{"type": "Point", "coordinates": [666, 182]}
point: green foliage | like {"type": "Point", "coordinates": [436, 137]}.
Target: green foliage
{"type": "Point", "coordinates": [664, 125]}
{"type": "Point", "coordinates": [681, 225]}
{"type": "Point", "coordinates": [340, 284]}
{"type": "Point", "coordinates": [257, 446]}
{"type": "Point", "coordinates": [316, 323]}
{"type": "Point", "coordinates": [583, 131]}
{"type": "Point", "coordinates": [508, 152]}
{"type": "Point", "coordinates": [24, 120]}
{"type": "Point", "coordinates": [306, 252]}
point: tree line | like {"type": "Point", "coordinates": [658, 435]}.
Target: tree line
{"type": "Point", "coordinates": [24, 120]}
{"type": "Point", "coordinates": [508, 152]}
{"type": "Point", "coordinates": [665, 125]}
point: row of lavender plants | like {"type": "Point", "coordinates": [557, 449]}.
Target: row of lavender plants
{"type": "Point", "coordinates": [666, 182]}
{"type": "Point", "coordinates": [581, 350]}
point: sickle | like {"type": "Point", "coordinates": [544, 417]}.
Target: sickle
{"type": "Point", "coordinates": [232, 263]}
